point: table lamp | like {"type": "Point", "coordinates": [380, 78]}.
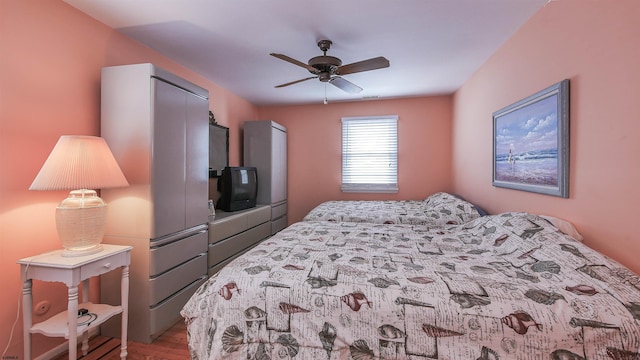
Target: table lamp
{"type": "Point", "coordinates": [80, 163]}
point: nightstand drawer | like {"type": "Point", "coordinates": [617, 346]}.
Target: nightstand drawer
{"type": "Point", "coordinates": [104, 265]}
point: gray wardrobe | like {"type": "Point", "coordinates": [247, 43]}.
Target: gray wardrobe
{"type": "Point", "coordinates": [265, 147]}
{"type": "Point", "coordinates": [158, 129]}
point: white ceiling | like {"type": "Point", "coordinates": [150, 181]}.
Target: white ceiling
{"type": "Point", "coordinates": [433, 45]}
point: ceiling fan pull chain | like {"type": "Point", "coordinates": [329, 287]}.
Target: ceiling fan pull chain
{"type": "Point", "coordinates": [325, 94]}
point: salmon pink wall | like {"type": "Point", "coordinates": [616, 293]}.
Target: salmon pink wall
{"type": "Point", "coordinates": [314, 148]}
{"type": "Point", "coordinates": [51, 56]}
{"type": "Point", "coordinates": [593, 43]}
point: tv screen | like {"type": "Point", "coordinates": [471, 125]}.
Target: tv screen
{"type": "Point", "coordinates": [218, 149]}
{"type": "Point", "coordinates": [238, 188]}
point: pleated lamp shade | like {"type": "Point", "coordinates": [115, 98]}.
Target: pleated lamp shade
{"type": "Point", "coordinates": [80, 163]}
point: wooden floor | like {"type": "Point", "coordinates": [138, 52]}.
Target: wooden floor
{"type": "Point", "coordinates": [172, 345]}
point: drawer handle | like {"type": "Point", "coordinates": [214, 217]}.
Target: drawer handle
{"type": "Point", "coordinates": [107, 265]}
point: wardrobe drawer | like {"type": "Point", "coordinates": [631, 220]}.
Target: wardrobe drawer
{"type": "Point", "coordinates": [234, 223]}
{"type": "Point", "coordinates": [167, 313]}
{"type": "Point", "coordinates": [278, 224]}
{"type": "Point", "coordinates": [278, 211]}
{"type": "Point", "coordinates": [170, 255]}
{"type": "Point", "coordinates": [223, 228]}
{"type": "Point", "coordinates": [258, 216]}
{"type": "Point", "coordinates": [217, 267]}
{"type": "Point", "coordinates": [229, 247]}
{"type": "Point", "coordinates": [175, 279]}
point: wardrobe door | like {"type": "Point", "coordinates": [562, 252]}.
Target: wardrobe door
{"type": "Point", "coordinates": [197, 163]}
{"type": "Point", "coordinates": [168, 159]}
{"type": "Point", "coordinates": [278, 165]}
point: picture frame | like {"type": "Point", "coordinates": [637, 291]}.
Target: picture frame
{"type": "Point", "coordinates": [531, 143]}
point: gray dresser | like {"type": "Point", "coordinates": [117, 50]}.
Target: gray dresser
{"type": "Point", "coordinates": [233, 233]}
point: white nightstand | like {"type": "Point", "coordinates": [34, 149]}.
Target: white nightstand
{"type": "Point", "coordinates": [72, 271]}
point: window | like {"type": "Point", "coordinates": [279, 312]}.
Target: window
{"type": "Point", "coordinates": [370, 154]}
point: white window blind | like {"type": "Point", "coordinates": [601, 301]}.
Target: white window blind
{"type": "Point", "coordinates": [370, 154]}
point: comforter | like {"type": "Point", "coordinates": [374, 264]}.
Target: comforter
{"type": "Point", "coordinates": [507, 286]}
{"type": "Point", "coordinates": [436, 210]}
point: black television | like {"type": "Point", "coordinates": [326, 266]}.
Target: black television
{"type": "Point", "coordinates": [238, 188]}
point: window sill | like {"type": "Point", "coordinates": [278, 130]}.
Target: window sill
{"type": "Point", "coordinates": [370, 188]}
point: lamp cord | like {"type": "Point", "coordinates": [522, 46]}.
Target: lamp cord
{"type": "Point", "coordinates": [13, 327]}
{"type": "Point", "coordinates": [92, 318]}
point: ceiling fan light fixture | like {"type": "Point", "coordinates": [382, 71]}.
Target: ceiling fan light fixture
{"type": "Point", "coordinates": [324, 76]}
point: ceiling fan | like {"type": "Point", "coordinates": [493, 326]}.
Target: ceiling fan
{"type": "Point", "coordinates": [330, 69]}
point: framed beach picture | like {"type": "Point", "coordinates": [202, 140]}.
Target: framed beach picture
{"type": "Point", "coordinates": [531, 143]}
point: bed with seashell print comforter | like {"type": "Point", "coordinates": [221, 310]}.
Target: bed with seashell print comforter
{"type": "Point", "coordinates": [506, 286]}
{"type": "Point", "coordinates": [438, 209]}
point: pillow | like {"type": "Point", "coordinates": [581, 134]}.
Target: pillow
{"type": "Point", "coordinates": [564, 226]}
{"type": "Point", "coordinates": [480, 210]}
{"type": "Point", "coordinates": [446, 208]}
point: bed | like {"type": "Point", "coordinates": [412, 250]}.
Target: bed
{"type": "Point", "coordinates": [505, 286]}
{"type": "Point", "coordinates": [438, 209]}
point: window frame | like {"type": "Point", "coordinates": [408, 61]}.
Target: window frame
{"type": "Point", "coordinates": [370, 187]}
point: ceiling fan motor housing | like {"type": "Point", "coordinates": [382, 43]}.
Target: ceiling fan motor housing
{"type": "Point", "coordinates": [328, 64]}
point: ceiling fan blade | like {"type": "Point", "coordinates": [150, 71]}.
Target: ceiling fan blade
{"type": "Point", "coordinates": [364, 65]}
{"type": "Point", "coordinates": [295, 82]}
{"type": "Point", "coordinates": [295, 62]}
{"type": "Point", "coordinates": [345, 85]}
